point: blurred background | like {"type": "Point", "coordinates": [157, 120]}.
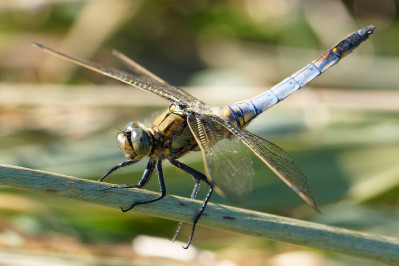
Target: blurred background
{"type": "Point", "coordinates": [342, 130]}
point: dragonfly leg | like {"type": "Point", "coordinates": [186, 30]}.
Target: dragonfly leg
{"type": "Point", "coordinates": [198, 176]}
{"type": "Point", "coordinates": [144, 179]}
{"type": "Point", "coordinates": [198, 216]}
{"type": "Point", "coordinates": [194, 173]}
{"type": "Point", "coordinates": [193, 195]}
{"type": "Point", "coordinates": [113, 169]}
{"type": "Point", "coordinates": [161, 184]}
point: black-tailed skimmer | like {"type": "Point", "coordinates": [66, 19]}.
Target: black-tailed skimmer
{"type": "Point", "coordinates": [189, 124]}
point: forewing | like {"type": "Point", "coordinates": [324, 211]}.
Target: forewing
{"type": "Point", "coordinates": [276, 158]}
{"type": "Point", "coordinates": [226, 159]}
{"type": "Point", "coordinates": [136, 68]}
{"type": "Point", "coordinates": [139, 80]}
{"type": "Point", "coordinates": [145, 74]}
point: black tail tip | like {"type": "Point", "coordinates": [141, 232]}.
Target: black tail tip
{"type": "Point", "coordinates": [367, 31]}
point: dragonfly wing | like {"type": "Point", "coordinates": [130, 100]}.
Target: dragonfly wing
{"type": "Point", "coordinates": [228, 165]}
{"type": "Point", "coordinates": [136, 68]}
{"type": "Point", "coordinates": [276, 158]}
{"type": "Point", "coordinates": [144, 73]}
{"type": "Point", "coordinates": [141, 79]}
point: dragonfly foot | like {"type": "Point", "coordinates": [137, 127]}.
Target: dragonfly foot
{"type": "Point", "coordinates": [188, 244]}
{"type": "Point", "coordinates": [128, 209]}
{"type": "Point", "coordinates": [133, 205]}
{"type": "Point", "coordinates": [107, 188]}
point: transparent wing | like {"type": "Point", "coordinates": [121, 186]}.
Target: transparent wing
{"type": "Point", "coordinates": [227, 162]}
{"type": "Point", "coordinates": [145, 74]}
{"type": "Point", "coordinates": [276, 158]}
{"type": "Point", "coordinates": [141, 79]}
{"type": "Point", "coordinates": [136, 68]}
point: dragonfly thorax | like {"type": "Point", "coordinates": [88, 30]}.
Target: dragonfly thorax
{"type": "Point", "coordinates": [135, 141]}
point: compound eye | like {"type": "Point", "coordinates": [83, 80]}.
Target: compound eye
{"type": "Point", "coordinates": [140, 141]}
{"type": "Point", "coordinates": [131, 126]}
{"type": "Point", "coordinates": [124, 143]}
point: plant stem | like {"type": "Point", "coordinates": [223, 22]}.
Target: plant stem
{"type": "Point", "coordinates": [380, 248]}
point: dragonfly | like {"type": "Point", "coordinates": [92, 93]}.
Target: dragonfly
{"type": "Point", "coordinates": [189, 124]}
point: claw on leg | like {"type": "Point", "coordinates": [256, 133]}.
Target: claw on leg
{"type": "Point", "coordinates": [193, 195]}
{"type": "Point", "coordinates": [198, 176]}
{"type": "Point", "coordinates": [202, 209]}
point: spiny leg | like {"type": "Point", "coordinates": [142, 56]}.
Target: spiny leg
{"type": "Point", "coordinates": [161, 184]}
{"type": "Point", "coordinates": [113, 169]}
{"type": "Point", "coordinates": [144, 179]}
{"type": "Point", "coordinates": [202, 209]}
{"type": "Point", "coordinates": [198, 176]}
{"type": "Point", "coordinates": [193, 195]}
{"type": "Point", "coordinates": [191, 171]}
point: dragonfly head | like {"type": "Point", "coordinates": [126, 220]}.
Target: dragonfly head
{"type": "Point", "coordinates": [135, 141]}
